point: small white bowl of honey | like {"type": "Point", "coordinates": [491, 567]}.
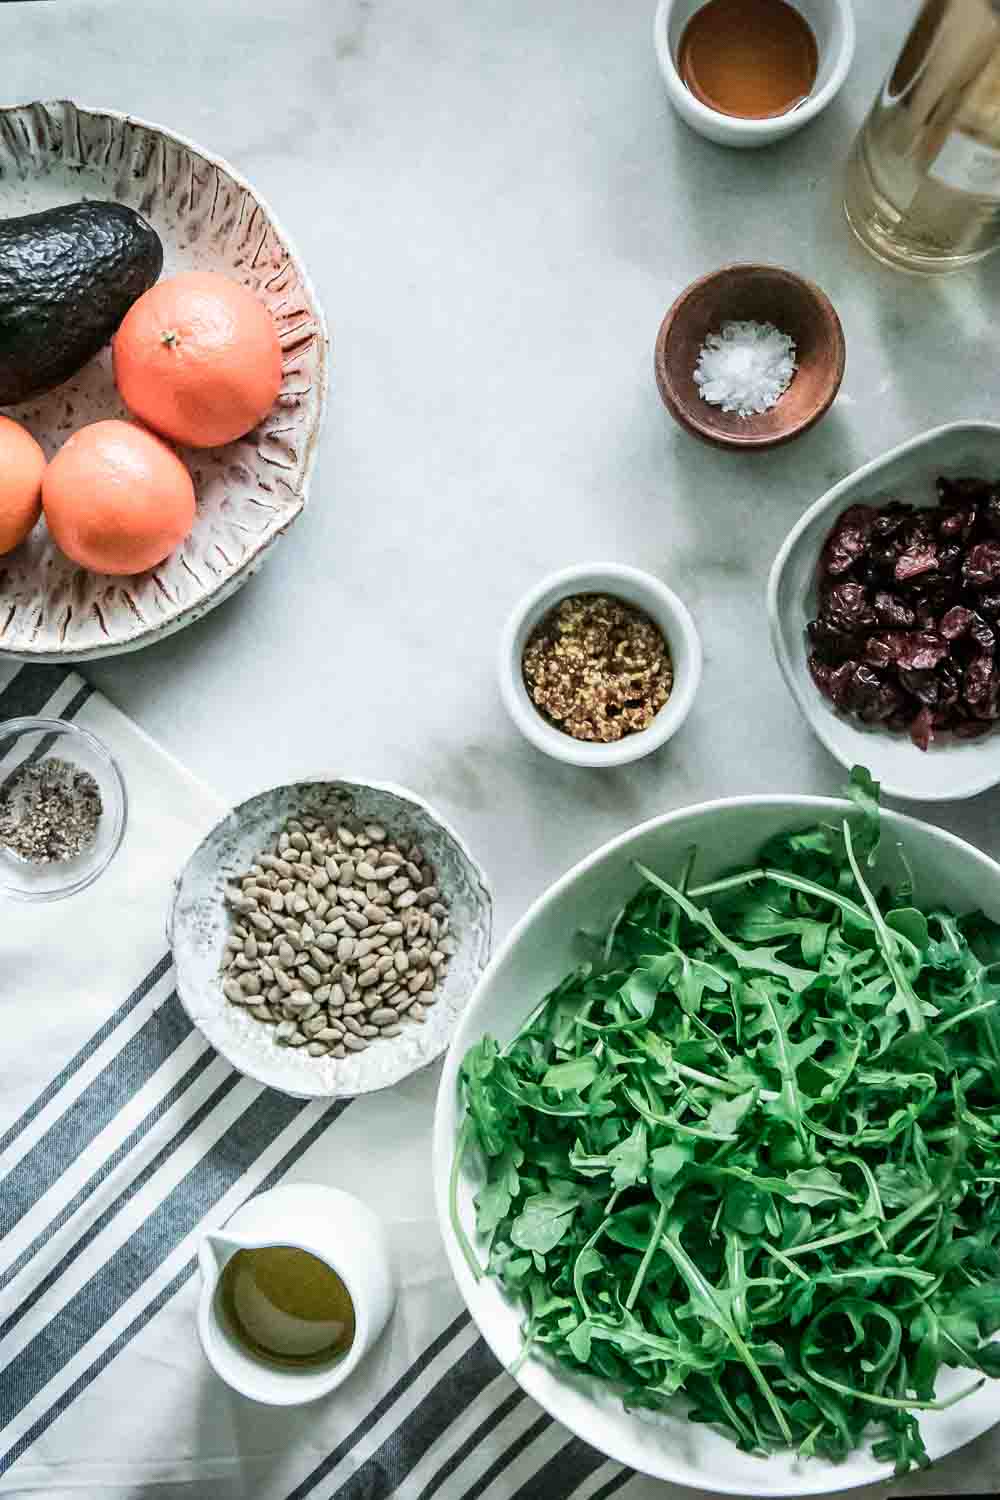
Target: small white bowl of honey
{"type": "Point", "coordinates": [296, 1288]}
{"type": "Point", "coordinates": [750, 72]}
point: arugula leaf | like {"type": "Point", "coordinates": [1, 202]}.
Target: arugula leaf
{"type": "Point", "coordinates": [493, 1201]}
{"type": "Point", "coordinates": [542, 1222]}
{"type": "Point", "coordinates": [572, 1077]}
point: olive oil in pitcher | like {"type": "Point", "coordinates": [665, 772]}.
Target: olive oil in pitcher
{"type": "Point", "coordinates": [286, 1307]}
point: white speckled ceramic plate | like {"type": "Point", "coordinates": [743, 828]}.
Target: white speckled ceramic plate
{"type": "Point", "coordinates": [249, 492]}
{"type": "Point", "coordinates": [199, 924]}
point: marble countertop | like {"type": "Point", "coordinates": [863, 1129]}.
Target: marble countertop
{"type": "Point", "coordinates": [497, 205]}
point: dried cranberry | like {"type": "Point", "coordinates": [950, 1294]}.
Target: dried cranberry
{"type": "Point", "coordinates": [970, 729]}
{"type": "Point", "coordinates": [924, 686]}
{"type": "Point", "coordinates": [890, 609]}
{"type": "Point", "coordinates": [832, 645]}
{"type": "Point", "coordinates": [949, 679]}
{"type": "Point", "coordinates": [958, 491]}
{"type": "Point", "coordinates": [840, 683]}
{"type": "Point", "coordinates": [950, 560]}
{"type": "Point", "coordinates": [872, 699]}
{"type": "Point", "coordinates": [846, 542]}
{"type": "Point", "coordinates": [956, 622]}
{"type": "Point", "coordinates": [976, 682]}
{"type": "Point", "coordinates": [989, 605]}
{"type": "Point", "coordinates": [922, 650]}
{"type": "Point", "coordinates": [983, 634]}
{"type": "Point", "coordinates": [957, 524]}
{"type": "Point", "coordinates": [990, 513]}
{"type": "Point", "coordinates": [884, 648]}
{"type": "Point", "coordinates": [922, 729]}
{"type": "Point", "coordinates": [889, 522]}
{"type": "Point", "coordinates": [845, 607]}
{"type": "Point", "coordinates": [982, 565]}
{"type": "Point", "coordinates": [918, 558]}
{"type": "Point", "coordinates": [821, 672]}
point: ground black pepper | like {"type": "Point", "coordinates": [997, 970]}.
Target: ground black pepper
{"type": "Point", "coordinates": [49, 811]}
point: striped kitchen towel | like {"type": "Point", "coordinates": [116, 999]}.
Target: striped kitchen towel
{"type": "Point", "coordinates": [123, 1136]}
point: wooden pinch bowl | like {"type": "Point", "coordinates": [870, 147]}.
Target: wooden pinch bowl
{"type": "Point", "coordinates": [761, 294]}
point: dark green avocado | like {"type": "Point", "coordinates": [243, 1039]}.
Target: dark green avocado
{"type": "Point", "coordinates": [67, 278]}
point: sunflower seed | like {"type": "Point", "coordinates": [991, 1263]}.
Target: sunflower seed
{"type": "Point", "coordinates": [298, 1000]}
{"type": "Point", "coordinates": [317, 941]}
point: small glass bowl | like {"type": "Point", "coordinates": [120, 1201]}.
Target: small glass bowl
{"type": "Point", "coordinates": [39, 739]}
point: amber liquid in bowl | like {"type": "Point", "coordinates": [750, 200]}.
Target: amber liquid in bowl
{"type": "Point", "coordinates": [750, 58]}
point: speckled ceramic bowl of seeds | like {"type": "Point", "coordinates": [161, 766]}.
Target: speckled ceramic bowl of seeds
{"type": "Point", "coordinates": [228, 929]}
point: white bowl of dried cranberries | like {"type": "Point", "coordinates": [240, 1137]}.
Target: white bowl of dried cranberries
{"type": "Point", "coordinates": [884, 606]}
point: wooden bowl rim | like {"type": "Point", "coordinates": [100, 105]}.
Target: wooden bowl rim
{"type": "Point", "coordinates": [703, 427]}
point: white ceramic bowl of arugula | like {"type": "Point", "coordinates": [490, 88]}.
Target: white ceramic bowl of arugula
{"type": "Point", "coordinates": [541, 950]}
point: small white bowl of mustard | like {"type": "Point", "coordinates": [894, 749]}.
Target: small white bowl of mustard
{"type": "Point", "coordinates": [750, 72]}
{"type": "Point", "coordinates": [653, 632]}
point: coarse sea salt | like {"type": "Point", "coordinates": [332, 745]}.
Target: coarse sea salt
{"type": "Point", "coordinates": [745, 367]}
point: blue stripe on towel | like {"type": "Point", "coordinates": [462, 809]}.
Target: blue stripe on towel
{"type": "Point", "coordinates": [91, 1111]}
{"type": "Point", "coordinates": [178, 1215]}
{"type": "Point", "coordinates": [87, 1051]}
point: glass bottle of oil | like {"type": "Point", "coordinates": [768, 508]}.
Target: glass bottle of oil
{"type": "Point", "coordinates": [923, 181]}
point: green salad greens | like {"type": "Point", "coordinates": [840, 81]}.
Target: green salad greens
{"type": "Point", "coordinates": [750, 1154]}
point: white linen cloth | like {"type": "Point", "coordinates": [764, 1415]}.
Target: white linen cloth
{"type": "Point", "coordinates": [123, 1136]}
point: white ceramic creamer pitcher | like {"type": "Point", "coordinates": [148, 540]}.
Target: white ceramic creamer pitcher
{"type": "Point", "coordinates": [335, 1227]}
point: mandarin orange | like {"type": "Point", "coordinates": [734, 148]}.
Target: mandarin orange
{"type": "Point", "coordinates": [117, 499]}
{"type": "Point", "coordinates": [197, 357]}
{"type": "Point", "coordinates": [22, 464]}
